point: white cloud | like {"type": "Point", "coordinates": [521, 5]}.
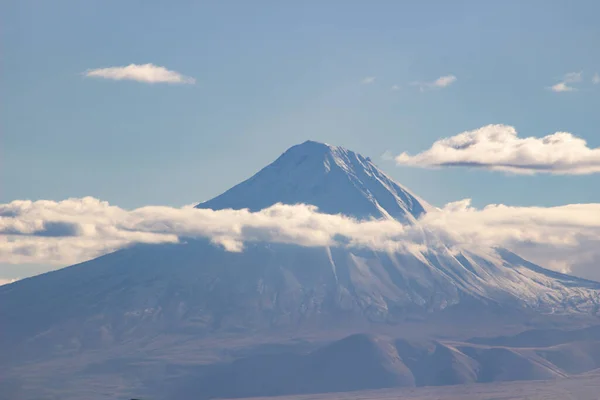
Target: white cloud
{"type": "Point", "coordinates": [395, 87]}
{"type": "Point", "coordinates": [444, 81]}
{"type": "Point", "coordinates": [7, 281]}
{"type": "Point", "coordinates": [562, 87]}
{"type": "Point", "coordinates": [571, 77]}
{"type": "Point", "coordinates": [497, 147]}
{"type": "Point", "coordinates": [148, 73]}
{"type": "Point", "coordinates": [368, 80]}
{"type": "Point", "coordinates": [441, 82]}
{"type": "Point", "coordinates": [65, 232]}
{"type": "Point", "coordinates": [596, 79]}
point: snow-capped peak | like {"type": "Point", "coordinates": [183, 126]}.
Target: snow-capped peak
{"type": "Point", "coordinates": [334, 179]}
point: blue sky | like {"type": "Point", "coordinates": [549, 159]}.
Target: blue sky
{"type": "Point", "coordinates": [271, 74]}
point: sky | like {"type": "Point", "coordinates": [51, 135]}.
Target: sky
{"type": "Point", "coordinates": [217, 90]}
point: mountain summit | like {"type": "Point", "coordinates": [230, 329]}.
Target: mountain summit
{"type": "Point", "coordinates": [336, 180]}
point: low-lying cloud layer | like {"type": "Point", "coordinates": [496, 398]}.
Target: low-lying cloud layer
{"type": "Point", "coordinates": [76, 229]}
{"type": "Point", "coordinates": [61, 233]}
{"type": "Point", "coordinates": [498, 147]}
{"type": "Point", "coordinates": [148, 73]}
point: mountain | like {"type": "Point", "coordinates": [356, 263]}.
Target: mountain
{"type": "Point", "coordinates": [336, 180]}
{"type": "Point", "coordinates": [172, 293]}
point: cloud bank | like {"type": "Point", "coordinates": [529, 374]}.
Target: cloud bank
{"type": "Point", "coordinates": [66, 232]}
{"type": "Point", "coordinates": [148, 73]}
{"type": "Point", "coordinates": [498, 147]}
{"type": "Point", "coordinates": [76, 229]}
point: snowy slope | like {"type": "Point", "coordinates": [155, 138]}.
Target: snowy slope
{"type": "Point", "coordinates": [336, 180]}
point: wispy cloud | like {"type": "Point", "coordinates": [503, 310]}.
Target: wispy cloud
{"type": "Point", "coordinates": [573, 77]}
{"type": "Point", "coordinates": [148, 73]}
{"type": "Point", "coordinates": [368, 80]}
{"type": "Point", "coordinates": [566, 238]}
{"type": "Point", "coordinates": [387, 156]}
{"type": "Point", "coordinates": [596, 79]}
{"type": "Point", "coordinates": [568, 79]}
{"type": "Point", "coordinates": [444, 81]}
{"type": "Point", "coordinates": [395, 87]}
{"type": "Point", "coordinates": [498, 147]}
{"type": "Point", "coordinates": [439, 83]}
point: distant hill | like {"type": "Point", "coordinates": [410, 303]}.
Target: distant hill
{"type": "Point", "coordinates": [363, 361]}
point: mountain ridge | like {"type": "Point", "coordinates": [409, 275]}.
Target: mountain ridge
{"type": "Point", "coordinates": [368, 361]}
